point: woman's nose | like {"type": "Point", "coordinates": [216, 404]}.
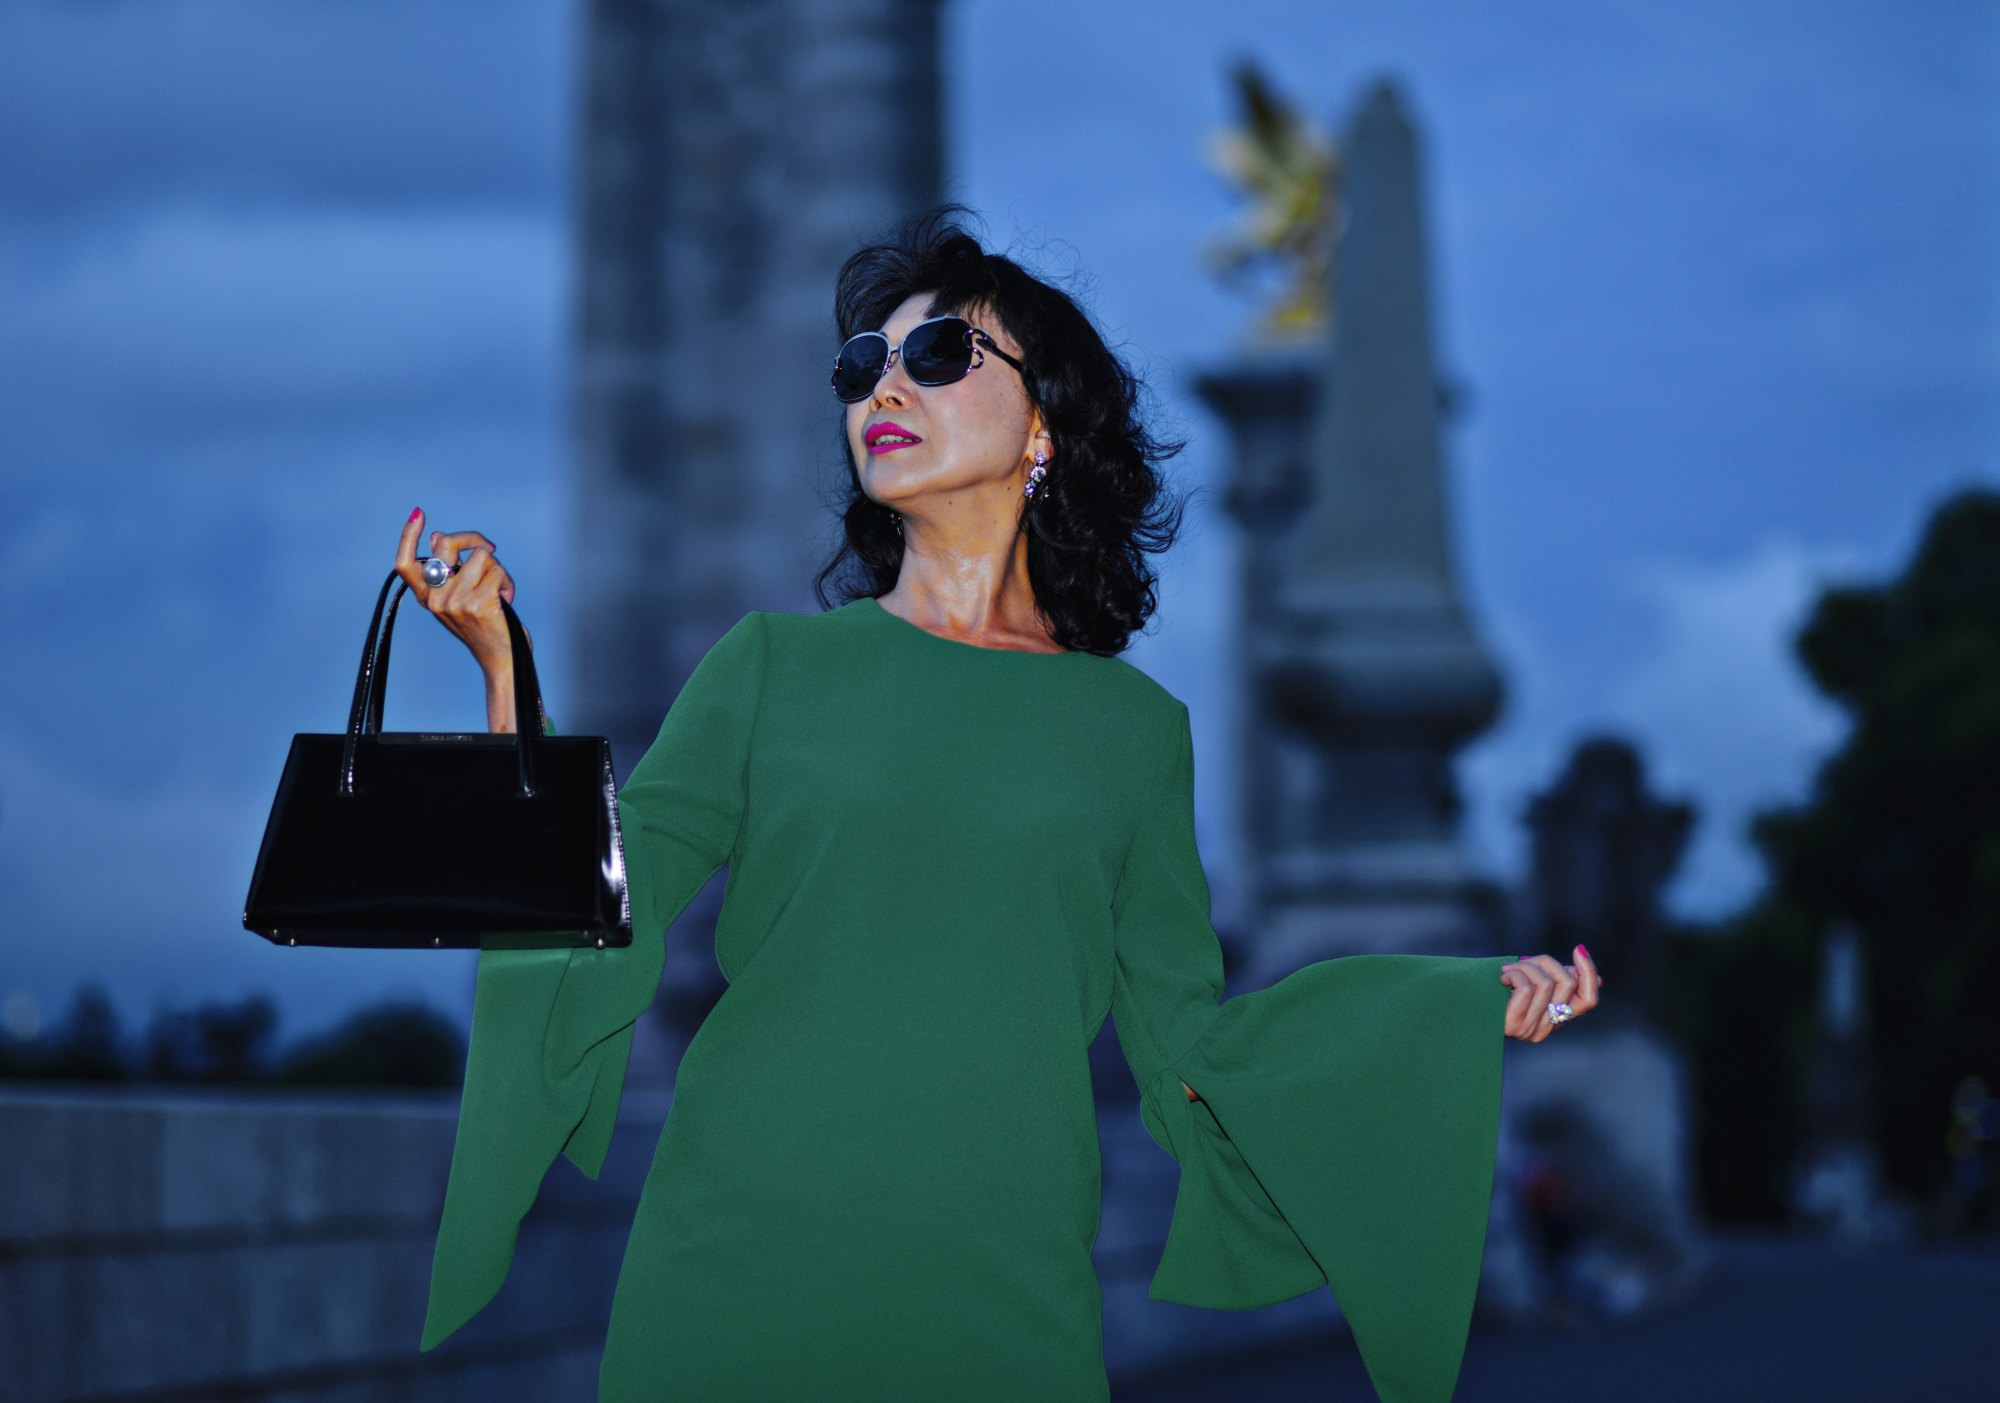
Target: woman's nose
{"type": "Point", "coordinates": [893, 385]}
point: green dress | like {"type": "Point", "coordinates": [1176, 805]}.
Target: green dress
{"type": "Point", "coordinates": [879, 1178]}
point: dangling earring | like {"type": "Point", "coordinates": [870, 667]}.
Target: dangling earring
{"type": "Point", "coordinates": [897, 517]}
{"type": "Point", "coordinates": [1038, 473]}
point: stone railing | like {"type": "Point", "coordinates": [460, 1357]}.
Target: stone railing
{"type": "Point", "coordinates": [161, 1244]}
{"type": "Point", "coordinates": [168, 1245]}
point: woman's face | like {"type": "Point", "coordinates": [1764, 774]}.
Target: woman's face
{"type": "Point", "coordinates": [975, 433]}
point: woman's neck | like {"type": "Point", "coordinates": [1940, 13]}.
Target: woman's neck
{"type": "Point", "coordinates": [979, 596]}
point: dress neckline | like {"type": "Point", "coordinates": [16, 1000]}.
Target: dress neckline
{"type": "Point", "coordinates": [868, 603]}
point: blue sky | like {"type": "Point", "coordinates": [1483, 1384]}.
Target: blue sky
{"type": "Point", "coordinates": [1718, 281]}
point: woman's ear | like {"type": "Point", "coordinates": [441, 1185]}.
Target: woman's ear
{"type": "Point", "coordinates": [1040, 445]}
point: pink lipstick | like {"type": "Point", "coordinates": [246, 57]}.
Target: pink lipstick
{"type": "Point", "coordinates": [887, 437]}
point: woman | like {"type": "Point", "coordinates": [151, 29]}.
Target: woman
{"type": "Point", "coordinates": [960, 833]}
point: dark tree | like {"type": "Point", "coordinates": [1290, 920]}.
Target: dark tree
{"type": "Point", "coordinates": [1901, 836]}
{"type": "Point", "coordinates": [1738, 997]}
{"type": "Point", "coordinates": [223, 1043]}
{"type": "Point", "coordinates": [390, 1044]}
{"type": "Point", "coordinates": [86, 1044]}
{"type": "Point", "coordinates": [89, 1044]}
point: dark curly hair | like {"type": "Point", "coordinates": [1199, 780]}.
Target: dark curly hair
{"type": "Point", "coordinates": [1103, 507]}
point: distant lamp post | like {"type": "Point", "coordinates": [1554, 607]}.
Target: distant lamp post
{"type": "Point", "coordinates": [1837, 1185]}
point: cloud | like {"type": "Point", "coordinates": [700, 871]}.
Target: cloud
{"type": "Point", "coordinates": [272, 274]}
{"type": "Point", "coordinates": [197, 324]}
{"type": "Point", "coordinates": [216, 420]}
{"type": "Point", "coordinates": [1724, 713]}
{"type": "Point", "coordinates": [1706, 688]}
{"type": "Point", "coordinates": [108, 109]}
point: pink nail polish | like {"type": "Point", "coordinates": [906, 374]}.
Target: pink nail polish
{"type": "Point", "coordinates": [1585, 953]}
{"type": "Point", "coordinates": [416, 512]}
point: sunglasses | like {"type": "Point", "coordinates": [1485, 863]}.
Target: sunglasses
{"type": "Point", "coordinates": [935, 352]}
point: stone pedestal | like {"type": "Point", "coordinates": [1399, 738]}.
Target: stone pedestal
{"type": "Point", "coordinates": [1594, 1163]}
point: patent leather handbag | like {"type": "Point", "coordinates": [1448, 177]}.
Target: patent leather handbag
{"type": "Point", "coordinates": [428, 840]}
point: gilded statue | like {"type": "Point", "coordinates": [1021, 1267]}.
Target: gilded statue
{"type": "Point", "coordinates": [1288, 169]}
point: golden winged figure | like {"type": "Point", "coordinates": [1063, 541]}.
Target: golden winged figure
{"type": "Point", "coordinates": [1288, 169]}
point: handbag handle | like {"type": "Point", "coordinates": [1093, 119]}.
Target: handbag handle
{"type": "Point", "coordinates": [372, 679]}
{"type": "Point", "coordinates": [518, 643]}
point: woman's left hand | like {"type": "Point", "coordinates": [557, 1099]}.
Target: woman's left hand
{"type": "Point", "coordinates": [1540, 981]}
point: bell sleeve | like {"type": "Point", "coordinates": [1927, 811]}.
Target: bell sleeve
{"type": "Point", "coordinates": [1347, 1121]}
{"type": "Point", "coordinates": [552, 1029]}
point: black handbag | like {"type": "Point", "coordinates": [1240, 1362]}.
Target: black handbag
{"type": "Point", "coordinates": [427, 840]}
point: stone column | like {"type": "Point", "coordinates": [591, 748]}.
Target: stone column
{"type": "Point", "coordinates": [1267, 399]}
{"type": "Point", "coordinates": [731, 157]}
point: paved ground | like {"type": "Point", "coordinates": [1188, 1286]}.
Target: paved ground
{"type": "Point", "coordinates": [1780, 1320]}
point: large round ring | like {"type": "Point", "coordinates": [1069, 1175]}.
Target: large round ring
{"type": "Point", "coordinates": [1559, 1013]}
{"type": "Point", "coordinates": [437, 570]}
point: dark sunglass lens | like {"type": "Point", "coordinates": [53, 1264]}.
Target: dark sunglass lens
{"type": "Point", "coordinates": [859, 365]}
{"type": "Point", "coordinates": [938, 352]}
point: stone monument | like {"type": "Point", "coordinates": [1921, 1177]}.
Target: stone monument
{"type": "Point", "coordinates": [1364, 676]}
{"type": "Point", "coordinates": [1603, 849]}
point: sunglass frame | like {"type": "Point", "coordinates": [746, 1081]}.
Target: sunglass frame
{"type": "Point", "coordinates": [977, 343]}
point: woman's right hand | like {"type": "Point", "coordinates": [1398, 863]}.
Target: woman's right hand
{"type": "Point", "coordinates": [469, 602]}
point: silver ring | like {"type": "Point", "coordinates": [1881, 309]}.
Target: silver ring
{"type": "Point", "coordinates": [1559, 1013]}
{"type": "Point", "coordinates": [437, 570]}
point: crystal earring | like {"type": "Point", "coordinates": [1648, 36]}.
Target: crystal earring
{"type": "Point", "coordinates": [1038, 473]}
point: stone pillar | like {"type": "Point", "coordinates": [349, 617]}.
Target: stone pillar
{"type": "Point", "coordinates": [731, 157]}
{"type": "Point", "coordinates": [1267, 399]}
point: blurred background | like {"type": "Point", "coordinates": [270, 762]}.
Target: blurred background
{"type": "Point", "coordinates": [1644, 359]}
